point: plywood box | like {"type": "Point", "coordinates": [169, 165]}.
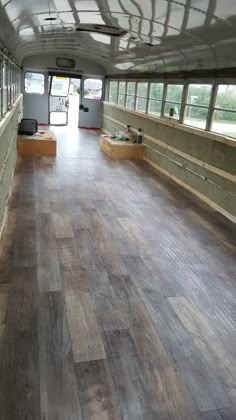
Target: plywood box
{"type": "Point", "coordinates": [121, 150]}
{"type": "Point", "coordinates": [43, 144]}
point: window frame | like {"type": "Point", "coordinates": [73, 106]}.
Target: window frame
{"type": "Point", "coordinates": [214, 108]}
{"type": "Point", "coordinates": [165, 101]}
{"type": "Point", "coordinates": [186, 104]}
{"type": "Point", "coordinates": [131, 95]}
{"type": "Point", "coordinates": [110, 91]}
{"type": "Point", "coordinates": [102, 88]}
{"type": "Point", "coordinates": [44, 80]}
{"type": "Point", "coordinates": [142, 97]}
{"type": "Point", "coordinates": [121, 93]}
{"type": "Point", "coordinates": [151, 99]}
{"type": "Point", "coordinates": [185, 83]}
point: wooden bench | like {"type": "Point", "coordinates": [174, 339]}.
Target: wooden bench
{"type": "Point", "coordinates": [120, 149]}
{"type": "Point", "coordinates": [40, 144]}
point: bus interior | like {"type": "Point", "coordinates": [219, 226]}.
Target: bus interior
{"type": "Point", "coordinates": [117, 241]}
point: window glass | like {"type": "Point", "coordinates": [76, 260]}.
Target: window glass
{"type": "Point", "coordinates": [113, 86]}
{"type": "Point", "coordinates": [196, 111]}
{"type": "Point", "coordinates": [58, 118]}
{"type": "Point", "coordinates": [156, 90]}
{"type": "Point", "coordinates": [113, 92]}
{"type": "Point", "coordinates": [142, 92]}
{"type": "Point", "coordinates": [60, 86]}
{"type": "Point", "coordinates": [196, 117]}
{"type": "Point", "coordinates": [34, 83]}
{"type": "Point", "coordinates": [121, 99]}
{"type": "Point", "coordinates": [93, 89]}
{"type": "Point", "coordinates": [142, 89]}
{"type": "Point", "coordinates": [174, 93]}
{"type": "Point", "coordinates": [141, 104]}
{"type": "Point", "coordinates": [9, 85]}
{"type": "Point", "coordinates": [155, 107]}
{"type": "Point", "coordinates": [122, 86]}
{"type": "Point", "coordinates": [199, 94]}
{"type": "Point", "coordinates": [4, 84]}
{"type": "Point", "coordinates": [226, 97]}
{"type": "Point", "coordinates": [130, 102]}
{"type": "Point", "coordinates": [224, 122]}
{"type": "Point", "coordinates": [131, 88]}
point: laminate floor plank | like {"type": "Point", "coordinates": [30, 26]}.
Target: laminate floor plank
{"type": "Point", "coordinates": [86, 339]}
{"type": "Point", "coordinates": [48, 269]}
{"type": "Point", "coordinates": [109, 307]}
{"type": "Point", "coordinates": [19, 390]}
{"type": "Point", "coordinates": [60, 217]}
{"type": "Point", "coordinates": [118, 343]}
{"type": "Point", "coordinates": [117, 293]}
{"type": "Point", "coordinates": [42, 204]}
{"type": "Point", "coordinates": [228, 413]}
{"type": "Point", "coordinates": [25, 243]}
{"type": "Point", "coordinates": [213, 350]}
{"type": "Point", "coordinates": [99, 400]}
{"type": "Point", "coordinates": [4, 293]}
{"type": "Point", "coordinates": [84, 244]}
{"type": "Point", "coordinates": [58, 389]}
{"type": "Point", "coordinates": [211, 415]}
{"type": "Point", "coordinates": [74, 276]}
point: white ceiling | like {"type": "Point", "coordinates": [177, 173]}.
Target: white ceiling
{"type": "Point", "coordinates": [185, 34]}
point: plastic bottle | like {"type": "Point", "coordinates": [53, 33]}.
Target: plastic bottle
{"type": "Point", "coordinates": [139, 137]}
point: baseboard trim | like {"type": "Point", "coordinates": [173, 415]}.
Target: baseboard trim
{"type": "Point", "coordinates": [89, 128]}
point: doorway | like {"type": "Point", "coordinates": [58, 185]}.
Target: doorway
{"type": "Point", "coordinates": [75, 102]}
{"type": "Point", "coordinates": [64, 99]}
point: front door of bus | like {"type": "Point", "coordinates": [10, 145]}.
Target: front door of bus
{"type": "Point", "coordinates": [59, 100]}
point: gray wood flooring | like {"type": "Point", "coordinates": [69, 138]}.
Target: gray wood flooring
{"type": "Point", "coordinates": [117, 294]}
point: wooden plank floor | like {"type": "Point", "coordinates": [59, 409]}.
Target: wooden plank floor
{"type": "Point", "coordinates": [117, 294]}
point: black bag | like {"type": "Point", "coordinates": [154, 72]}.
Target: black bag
{"type": "Point", "coordinates": [28, 127]}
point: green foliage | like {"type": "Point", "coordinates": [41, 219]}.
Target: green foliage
{"type": "Point", "coordinates": [156, 91]}
{"type": "Point", "coordinates": [143, 89]}
{"type": "Point", "coordinates": [78, 90]}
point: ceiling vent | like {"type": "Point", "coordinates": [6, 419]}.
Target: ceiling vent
{"type": "Point", "coordinates": [50, 18]}
{"type": "Point", "coordinates": [101, 29]}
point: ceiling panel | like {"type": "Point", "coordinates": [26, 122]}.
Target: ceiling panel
{"type": "Point", "coordinates": [164, 35]}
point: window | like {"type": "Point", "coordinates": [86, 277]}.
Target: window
{"type": "Point", "coordinates": [60, 86]}
{"type": "Point", "coordinates": [142, 93]}
{"type": "Point", "coordinates": [113, 92]}
{"type": "Point", "coordinates": [155, 99]}
{"type": "Point", "coordinates": [224, 114]}
{"type": "Point", "coordinates": [18, 83]}
{"type": "Point", "coordinates": [130, 98]}
{"type": "Point", "coordinates": [4, 87]}
{"type": "Point", "coordinates": [173, 100]}
{"type": "Point", "coordinates": [122, 93]}
{"type": "Point", "coordinates": [93, 89]}
{"type": "Point", "coordinates": [9, 83]}
{"type": "Point", "coordinates": [197, 106]}
{"type": "Point", "coordinates": [34, 83]}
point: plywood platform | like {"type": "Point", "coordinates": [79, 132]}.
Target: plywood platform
{"type": "Point", "coordinates": [41, 144]}
{"type": "Point", "coordinates": [120, 150]}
